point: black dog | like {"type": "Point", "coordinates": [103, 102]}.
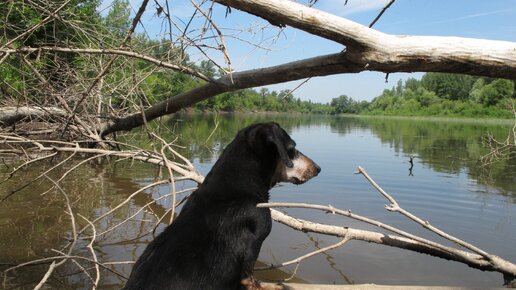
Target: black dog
{"type": "Point", "coordinates": [216, 239]}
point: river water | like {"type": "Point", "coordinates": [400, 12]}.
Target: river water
{"type": "Point", "coordinates": [446, 186]}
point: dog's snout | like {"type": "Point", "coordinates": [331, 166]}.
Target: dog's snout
{"type": "Point", "coordinates": [303, 170]}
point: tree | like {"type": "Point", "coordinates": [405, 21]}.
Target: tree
{"type": "Point", "coordinates": [412, 83]}
{"type": "Point", "coordinates": [344, 104]}
{"type": "Point", "coordinates": [449, 86]}
{"type": "Point", "coordinates": [496, 91]}
{"type": "Point", "coordinates": [475, 94]}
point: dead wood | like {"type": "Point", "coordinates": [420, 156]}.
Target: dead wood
{"type": "Point", "coordinates": [11, 115]}
{"type": "Point", "coordinates": [472, 260]}
{"type": "Point", "coordinates": [372, 50]}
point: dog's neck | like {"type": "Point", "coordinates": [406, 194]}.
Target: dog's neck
{"type": "Point", "coordinates": [246, 176]}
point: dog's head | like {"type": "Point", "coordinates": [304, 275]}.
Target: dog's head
{"type": "Point", "coordinates": [270, 140]}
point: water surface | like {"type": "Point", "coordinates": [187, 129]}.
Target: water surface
{"type": "Point", "coordinates": [446, 187]}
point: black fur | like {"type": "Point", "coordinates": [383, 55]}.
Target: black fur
{"type": "Point", "coordinates": [216, 239]}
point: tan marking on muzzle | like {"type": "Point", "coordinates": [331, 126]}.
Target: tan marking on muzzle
{"type": "Point", "coordinates": [302, 171]}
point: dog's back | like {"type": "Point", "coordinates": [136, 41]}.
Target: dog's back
{"type": "Point", "coordinates": [203, 248]}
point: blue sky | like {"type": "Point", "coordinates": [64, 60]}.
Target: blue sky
{"type": "Point", "coordinates": [494, 19]}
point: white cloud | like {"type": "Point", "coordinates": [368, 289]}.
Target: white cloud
{"type": "Point", "coordinates": [470, 16]}
{"type": "Point", "coordinates": [352, 7]}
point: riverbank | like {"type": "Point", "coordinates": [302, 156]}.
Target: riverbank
{"type": "Point", "coordinates": [455, 119]}
{"type": "Point", "coordinates": [297, 286]}
{"type": "Point", "coordinates": [482, 120]}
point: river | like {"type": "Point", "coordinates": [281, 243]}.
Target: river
{"type": "Point", "coordinates": [446, 186]}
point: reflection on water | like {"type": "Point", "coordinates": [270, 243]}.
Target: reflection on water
{"type": "Point", "coordinates": [447, 187]}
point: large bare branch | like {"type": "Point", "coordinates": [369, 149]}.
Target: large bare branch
{"type": "Point", "coordinates": [318, 66]}
{"type": "Point", "coordinates": [378, 51]}
{"type": "Point", "coordinates": [10, 115]}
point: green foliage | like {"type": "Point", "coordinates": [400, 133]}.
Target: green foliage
{"type": "Point", "coordinates": [19, 16]}
{"type": "Point", "coordinates": [259, 101]}
{"type": "Point", "coordinates": [439, 94]}
{"type": "Point", "coordinates": [207, 67]}
{"type": "Point", "coordinates": [448, 86]}
{"type": "Point", "coordinates": [342, 104]}
{"type": "Point", "coordinates": [346, 105]}
{"type": "Point", "coordinates": [496, 91]}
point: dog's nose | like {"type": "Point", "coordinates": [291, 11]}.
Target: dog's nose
{"type": "Point", "coordinates": [318, 168]}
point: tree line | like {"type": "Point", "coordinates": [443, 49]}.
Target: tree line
{"type": "Point", "coordinates": [441, 94]}
{"type": "Point", "coordinates": [436, 94]}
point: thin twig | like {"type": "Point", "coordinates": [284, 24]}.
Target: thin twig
{"type": "Point", "coordinates": [38, 25]}
{"type": "Point", "coordinates": [108, 51]}
{"type": "Point", "coordinates": [221, 35]}
{"type": "Point", "coordinates": [46, 276]}
{"type": "Point", "coordinates": [92, 251]}
{"type": "Point", "coordinates": [12, 192]}
{"type": "Point", "coordinates": [298, 260]}
{"type": "Point", "coordinates": [381, 13]}
{"type": "Point", "coordinates": [106, 68]}
{"type": "Point", "coordinates": [170, 174]}
{"type": "Point", "coordinates": [25, 164]}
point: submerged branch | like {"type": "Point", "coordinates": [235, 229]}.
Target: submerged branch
{"type": "Point", "coordinates": [474, 261]}
{"type": "Point", "coordinates": [478, 258]}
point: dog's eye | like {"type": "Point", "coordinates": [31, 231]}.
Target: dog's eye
{"type": "Point", "coordinates": [291, 153]}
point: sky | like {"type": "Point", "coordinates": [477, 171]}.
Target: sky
{"type": "Point", "coordinates": [494, 20]}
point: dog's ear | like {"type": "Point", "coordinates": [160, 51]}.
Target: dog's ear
{"type": "Point", "coordinates": [282, 142]}
{"type": "Point", "coordinates": [261, 137]}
